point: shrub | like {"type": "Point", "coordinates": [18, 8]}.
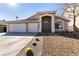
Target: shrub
{"type": "Point", "coordinates": [34, 44]}
{"type": "Point", "coordinates": [67, 31]}
{"type": "Point", "coordinates": [37, 39]}
{"type": "Point", "coordinates": [29, 52]}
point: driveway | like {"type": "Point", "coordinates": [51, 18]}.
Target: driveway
{"type": "Point", "coordinates": [12, 43]}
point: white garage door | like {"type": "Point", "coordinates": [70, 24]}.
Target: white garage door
{"type": "Point", "coordinates": [32, 27]}
{"type": "Point", "coordinates": [17, 28]}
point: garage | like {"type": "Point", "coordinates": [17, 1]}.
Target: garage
{"type": "Point", "coordinates": [17, 27]}
{"type": "Point", "coordinates": [32, 27]}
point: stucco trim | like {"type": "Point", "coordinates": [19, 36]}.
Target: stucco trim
{"type": "Point", "coordinates": [40, 22]}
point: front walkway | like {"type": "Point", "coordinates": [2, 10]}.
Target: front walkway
{"type": "Point", "coordinates": [12, 43]}
{"type": "Point", "coordinates": [58, 45]}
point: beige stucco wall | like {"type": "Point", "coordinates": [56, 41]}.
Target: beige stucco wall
{"type": "Point", "coordinates": [77, 23]}
{"type": "Point", "coordinates": [53, 24]}
{"type": "Point", "coordinates": [70, 24]}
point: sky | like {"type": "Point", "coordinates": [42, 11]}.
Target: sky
{"type": "Point", "coordinates": [9, 11]}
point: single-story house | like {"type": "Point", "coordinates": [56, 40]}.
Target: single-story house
{"type": "Point", "coordinates": [44, 21]}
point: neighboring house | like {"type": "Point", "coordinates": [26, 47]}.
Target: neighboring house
{"type": "Point", "coordinates": [45, 21]}
{"type": "Point", "coordinates": [3, 26]}
{"type": "Point", "coordinates": [69, 15]}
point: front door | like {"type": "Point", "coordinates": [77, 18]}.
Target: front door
{"type": "Point", "coordinates": [46, 24]}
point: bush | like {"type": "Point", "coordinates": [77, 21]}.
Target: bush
{"type": "Point", "coordinates": [29, 52]}
{"type": "Point", "coordinates": [34, 44]}
{"type": "Point", "coordinates": [67, 31]}
{"type": "Point", "coordinates": [37, 39]}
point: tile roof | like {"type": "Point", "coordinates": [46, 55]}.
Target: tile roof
{"type": "Point", "coordinates": [35, 17]}
{"type": "Point", "coordinates": [3, 22]}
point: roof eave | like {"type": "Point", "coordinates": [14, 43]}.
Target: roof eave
{"type": "Point", "coordinates": [59, 17]}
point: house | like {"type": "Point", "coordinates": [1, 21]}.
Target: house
{"type": "Point", "coordinates": [3, 26]}
{"type": "Point", "coordinates": [69, 15]}
{"type": "Point", "coordinates": [44, 21]}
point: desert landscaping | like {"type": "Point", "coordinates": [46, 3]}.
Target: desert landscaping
{"type": "Point", "coordinates": [58, 45]}
{"type": "Point", "coordinates": [54, 45]}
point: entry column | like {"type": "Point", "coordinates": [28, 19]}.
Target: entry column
{"type": "Point", "coordinates": [53, 24]}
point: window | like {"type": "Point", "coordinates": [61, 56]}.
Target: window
{"type": "Point", "coordinates": [59, 25]}
{"type": "Point", "coordinates": [45, 21]}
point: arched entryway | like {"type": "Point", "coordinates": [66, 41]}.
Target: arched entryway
{"type": "Point", "coordinates": [46, 24]}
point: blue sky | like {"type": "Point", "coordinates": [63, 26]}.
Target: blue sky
{"type": "Point", "coordinates": [24, 10]}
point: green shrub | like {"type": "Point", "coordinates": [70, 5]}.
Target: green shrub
{"type": "Point", "coordinates": [37, 39]}
{"type": "Point", "coordinates": [1, 29]}
{"type": "Point", "coordinates": [34, 44]}
{"type": "Point", "coordinates": [29, 52]}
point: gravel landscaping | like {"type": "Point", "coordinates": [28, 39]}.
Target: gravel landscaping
{"type": "Point", "coordinates": [54, 45]}
{"type": "Point", "coordinates": [59, 45]}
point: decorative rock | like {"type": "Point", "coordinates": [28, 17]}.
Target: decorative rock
{"type": "Point", "coordinates": [34, 44]}
{"type": "Point", "coordinates": [37, 39]}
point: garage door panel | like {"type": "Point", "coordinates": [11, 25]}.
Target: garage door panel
{"type": "Point", "coordinates": [17, 27]}
{"type": "Point", "coordinates": [32, 27]}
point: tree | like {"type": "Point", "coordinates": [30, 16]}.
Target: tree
{"type": "Point", "coordinates": [73, 9]}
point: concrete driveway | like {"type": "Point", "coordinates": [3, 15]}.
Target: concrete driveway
{"type": "Point", "coordinates": [12, 43]}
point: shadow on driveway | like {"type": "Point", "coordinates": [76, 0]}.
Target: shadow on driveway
{"type": "Point", "coordinates": [18, 34]}
{"type": "Point", "coordinates": [69, 35]}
